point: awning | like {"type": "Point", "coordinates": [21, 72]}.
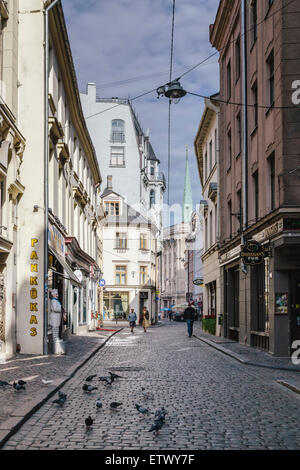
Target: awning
{"type": "Point", "coordinates": [65, 265]}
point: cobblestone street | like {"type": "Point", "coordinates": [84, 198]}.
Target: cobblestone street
{"type": "Point", "coordinates": [212, 401]}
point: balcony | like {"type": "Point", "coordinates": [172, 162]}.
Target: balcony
{"type": "Point", "coordinates": [117, 137]}
{"type": "Point", "coordinates": [156, 178]}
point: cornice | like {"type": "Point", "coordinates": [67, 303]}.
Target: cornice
{"type": "Point", "coordinates": [218, 29]}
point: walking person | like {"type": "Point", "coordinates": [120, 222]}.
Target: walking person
{"type": "Point", "coordinates": [189, 316]}
{"type": "Point", "coordinates": [145, 319]}
{"type": "Point", "coordinates": [132, 319]}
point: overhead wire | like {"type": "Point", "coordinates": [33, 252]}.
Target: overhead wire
{"type": "Point", "coordinates": [169, 112]}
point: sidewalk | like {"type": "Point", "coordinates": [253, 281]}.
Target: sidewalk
{"type": "Point", "coordinates": [17, 406]}
{"type": "Point", "coordinates": [251, 356]}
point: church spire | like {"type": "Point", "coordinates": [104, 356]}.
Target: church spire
{"type": "Point", "coordinates": [187, 206]}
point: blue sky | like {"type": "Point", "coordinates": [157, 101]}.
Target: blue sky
{"type": "Point", "coordinates": [118, 40]}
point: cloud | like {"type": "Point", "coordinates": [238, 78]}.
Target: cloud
{"type": "Point", "coordinates": [117, 40]}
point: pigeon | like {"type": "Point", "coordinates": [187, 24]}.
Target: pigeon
{"type": "Point", "coordinates": [115, 376]}
{"type": "Point", "coordinates": [90, 378]}
{"type": "Point", "coordinates": [160, 414]}
{"type": "Point", "coordinates": [89, 388]}
{"type": "Point", "coordinates": [3, 383]}
{"type": "Point", "coordinates": [61, 398]}
{"type": "Point", "coordinates": [21, 382]}
{"type": "Point", "coordinates": [107, 379]}
{"type": "Point", "coordinates": [156, 426]}
{"type": "Point", "coordinates": [99, 404]}
{"type": "Point", "coordinates": [47, 382]}
{"type": "Point", "coordinates": [18, 386]}
{"type": "Point", "coordinates": [114, 405]}
{"type": "Point", "coordinates": [88, 422]}
{"type": "Point", "coordinates": [143, 411]}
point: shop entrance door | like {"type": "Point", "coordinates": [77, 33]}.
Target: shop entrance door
{"type": "Point", "coordinates": [294, 320]}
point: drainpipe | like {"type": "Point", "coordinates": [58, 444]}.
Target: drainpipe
{"type": "Point", "coordinates": [245, 146]}
{"type": "Point", "coordinates": [46, 174]}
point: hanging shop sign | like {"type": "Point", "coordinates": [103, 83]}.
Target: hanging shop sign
{"type": "Point", "coordinates": [198, 282]}
{"type": "Point", "coordinates": [252, 253]}
{"type": "Point", "coordinates": [34, 298]}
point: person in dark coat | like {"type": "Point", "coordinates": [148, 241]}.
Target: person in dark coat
{"type": "Point", "coordinates": [189, 316]}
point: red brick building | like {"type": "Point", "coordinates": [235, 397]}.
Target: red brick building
{"type": "Point", "coordinates": [259, 45]}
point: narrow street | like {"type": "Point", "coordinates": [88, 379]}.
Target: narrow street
{"type": "Point", "coordinates": [212, 401]}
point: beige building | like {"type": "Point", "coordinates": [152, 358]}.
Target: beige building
{"type": "Point", "coordinates": [59, 221]}
{"type": "Point", "coordinates": [207, 151]}
{"type": "Point", "coordinates": [12, 144]}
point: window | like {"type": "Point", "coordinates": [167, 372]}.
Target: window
{"type": "Point", "coordinates": [216, 145]}
{"type": "Point", "coordinates": [210, 228]}
{"type": "Point", "coordinates": [121, 275]}
{"type": "Point", "coordinates": [254, 20]}
{"type": "Point", "coordinates": [117, 131]}
{"type": "Point", "coordinates": [143, 241]}
{"type": "Point", "coordinates": [121, 240]}
{"type": "Point", "coordinates": [237, 59]}
{"type": "Point", "coordinates": [117, 156]}
{"type": "Point", "coordinates": [238, 134]}
{"type": "Point", "coordinates": [143, 275]}
{"type": "Point", "coordinates": [229, 208]}
{"type": "Point", "coordinates": [229, 149]}
{"type": "Point", "coordinates": [112, 208]}
{"type": "Point", "coordinates": [239, 209]}
{"type": "Point", "coordinates": [270, 66]}
{"type": "Point", "coordinates": [272, 180]}
{"type": "Point", "coordinates": [205, 167]}
{"type": "Point", "coordinates": [210, 156]}
{"type": "Point", "coordinates": [255, 105]}
{"type": "Point", "coordinates": [152, 170]}
{"type": "Point", "coordinates": [228, 81]}
{"type": "Point", "coordinates": [152, 198]}
{"type": "Point", "coordinates": [256, 195]}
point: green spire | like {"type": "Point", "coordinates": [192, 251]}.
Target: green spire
{"type": "Point", "coordinates": [187, 206]}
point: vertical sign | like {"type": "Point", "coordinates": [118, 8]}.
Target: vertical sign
{"type": "Point", "coordinates": [33, 282]}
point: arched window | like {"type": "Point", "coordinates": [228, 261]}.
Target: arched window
{"type": "Point", "coordinates": [117, 131]}
{"type": "Point", "coordinates": [152, 198]}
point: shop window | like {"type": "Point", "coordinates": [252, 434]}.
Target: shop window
{"type": "Point", "coordinates": [115, 305]}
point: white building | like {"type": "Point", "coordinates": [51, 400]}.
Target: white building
{"type": "Point", "coordinates": [126, 156]}
{"type": "Point", "coordinates": [129, 259]}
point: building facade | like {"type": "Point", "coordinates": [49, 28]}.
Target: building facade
{"type": "Point", "coordinates": [129, 257]}
{"type": "Point", "coordinates": [12, 186]}
{"type": "Point", "coordinates": [58, 216]}
{"type": "Point", "coordinates": [259, 171]}
{"type": "Point", "coordinates": [207, 154]}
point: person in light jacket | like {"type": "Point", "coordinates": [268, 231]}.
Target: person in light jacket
{"type": "Point", "coordinates": [132, 319]}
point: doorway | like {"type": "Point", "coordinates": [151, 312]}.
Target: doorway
{"type": "Point", "coordinates": [294, 320]}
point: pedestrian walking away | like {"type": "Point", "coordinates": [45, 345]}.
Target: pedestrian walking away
{"type": "Point", "coordinates": [132, 319]}
{"type": "Point", "coordinates": [145, 319]}
{"type": "Point", "coordinates": [189, 316]}
{"type": "Point", "coordinates": [170, 315]}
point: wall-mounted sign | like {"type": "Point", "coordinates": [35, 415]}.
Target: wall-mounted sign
{"type": "Point", "coordinates": [198, 282]}
{"type": "Point", "coordinates": [102, 283]}
{"type": "Point", "coordinates": [281, 303]}
{"type": "Point", "coordinates": [252, 253]}
{"type": "Point", "coordinates": [33, 282]}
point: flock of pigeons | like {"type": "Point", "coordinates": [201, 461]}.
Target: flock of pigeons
{"type": "Point", "coordinates": [159, 415]}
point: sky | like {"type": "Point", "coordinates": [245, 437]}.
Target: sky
{"type": "Point", "coordinates": [129, 41]}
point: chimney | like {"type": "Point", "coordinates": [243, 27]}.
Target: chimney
{"type": "Point", "coordinates": [109, 182]}
{"type": "Point", "coordinates": [91, 91]}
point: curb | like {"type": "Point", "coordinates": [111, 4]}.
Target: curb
{"type": "Point", "coordinates": [290, 386]}
{"type": "Point", "coordinates": [9, 427]}
{"type": "Point", "coordinates": [240, 359]}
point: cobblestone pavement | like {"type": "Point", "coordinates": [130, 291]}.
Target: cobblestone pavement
{"type": "Point", "coordinates": [212, 401]}
{"type": "Point", "coordinates": [33, 369]}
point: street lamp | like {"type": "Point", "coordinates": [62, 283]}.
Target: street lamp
{"type": "Point", "coordinates": [172, 90]}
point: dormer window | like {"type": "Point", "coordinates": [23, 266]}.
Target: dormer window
{"type": "Point", "coordinates": [117, 131]}
{"type": "Point", "coordinates": [112, 208]}
{"type": "Point", "coordinates": [152, 170]}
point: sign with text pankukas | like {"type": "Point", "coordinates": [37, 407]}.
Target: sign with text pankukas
{"type": "Point", "coordinates": [252, 253]}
